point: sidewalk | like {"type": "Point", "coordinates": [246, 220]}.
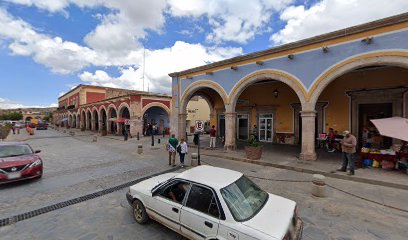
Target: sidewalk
{"type": "Point", "coordinates": [286, 157]}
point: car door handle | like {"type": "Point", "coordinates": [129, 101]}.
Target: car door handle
{"type": "Point", "coordinates": [175, 210]}
{"type": "Point", "coordinates": [208, 224]}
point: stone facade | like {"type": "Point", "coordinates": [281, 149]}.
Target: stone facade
{"type": "Point", "coordinates": [306, 70]}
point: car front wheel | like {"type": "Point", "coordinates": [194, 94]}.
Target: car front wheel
{"type": "Point", "coordinates": [139, 212]}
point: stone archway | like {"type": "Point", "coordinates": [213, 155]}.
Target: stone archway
{"type": "Point", "coordinates": [199, 88]}
{"type": "Point", "coordinates": [265, 113]}
{"type": "Point", "coordinates": [103, 120]}
{"type": "Point", "coordinates": [393, 58]}
{"type": "Point", "coordinates": [112, 113]}
{"type": "Point", "coordinates": [384, 58]}
{"type": "Point", "coordinates": [95, 119]}
{"type": "Point", "coordinates": [155, 113]}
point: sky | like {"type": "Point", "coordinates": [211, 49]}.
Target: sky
{"type": "Point", "coordinates": [47, 47]}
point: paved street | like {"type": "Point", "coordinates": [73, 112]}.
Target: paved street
{"type": "Point", "coordinates": [75, 166]}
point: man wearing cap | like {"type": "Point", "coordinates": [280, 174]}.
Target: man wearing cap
{"type": "Point", "coordinates": [348, 146]}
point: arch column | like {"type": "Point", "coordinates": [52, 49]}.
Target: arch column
{"type": "Point", "coordinates": [230, 129]}
{"type": "Point", "coordinates": [93, 125]}
{"type": "Point", "coordinates": [182, 118]}
{"type": "Point", "coordinates": [308, 135]}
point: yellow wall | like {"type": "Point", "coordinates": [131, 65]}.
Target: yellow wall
{"type": "Point", "coordinates": [202, 112]}
{"type": "Point", "coordinates": [261, 96]}
{"type": "Point", "coordinates": [337, 111]}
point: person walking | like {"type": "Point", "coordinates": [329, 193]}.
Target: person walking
{"type": "Point", "coordinates": [171, 148]}
{"type": "Point", "coordinates": [330, 140]}
{"type": "Point", "coordinates": [213, 137]}
{"type": "Point", "coordinates": [183, 149]}
{"type": "Point", "coordinates": [348, 146]}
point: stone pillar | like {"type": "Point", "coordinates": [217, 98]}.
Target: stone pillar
{"type": "Point", "coordinates": [308, 135]}
{"type": "Point", "coordinates": [182, 118]}
{"type": "Point", "coordinates": [230, 130]}
{"type": "Point", "coordinates": [93, 125]}
{"type": "Point", "coordinates": [136, 126]}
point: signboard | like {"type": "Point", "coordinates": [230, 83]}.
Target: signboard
{"type": "Point", "coordinates": [199, 125]}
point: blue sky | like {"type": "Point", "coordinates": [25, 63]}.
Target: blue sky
{"type": "Point", "coordinates": [48, 47]}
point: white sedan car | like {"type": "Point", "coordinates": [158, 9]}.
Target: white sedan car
{"type": "Point", "coordinates": [214, 203]}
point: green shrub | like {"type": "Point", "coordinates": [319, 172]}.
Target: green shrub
{"type": "Point", "coordinates": [4, 131]}
{"type": "Point", "coordinates": [252, 142]}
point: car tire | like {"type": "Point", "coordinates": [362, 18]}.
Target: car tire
{"type": "Point", "coordinates": [139, 212]}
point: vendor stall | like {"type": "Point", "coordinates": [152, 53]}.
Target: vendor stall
{"type": "Point", "coordinates": [394, 158]}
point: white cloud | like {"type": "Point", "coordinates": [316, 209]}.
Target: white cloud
{"type": "Point", "coordinates": [8, 104]}
{"type": "Point", "coordinates": [159, 63]}
{"type": "Point", "coordinates": [330, 15]}
{"type": "Point", "coordinates": [231, 20]}
{"type": "Point", "coordinates": [46, 50]}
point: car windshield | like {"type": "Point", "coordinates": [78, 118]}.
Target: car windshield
{"type": "Point", "coordinates": [14, 150]}
{"type": "Point", "coordinates": [244, 198]}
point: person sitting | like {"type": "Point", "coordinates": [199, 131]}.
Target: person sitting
{"type": "Point", "coordinates": [178, 192]}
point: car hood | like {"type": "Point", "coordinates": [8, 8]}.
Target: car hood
{"type": "Point", "coordinates": [146, 186]}
{"type": "Point", "coordinates": [274, 218]}
{"type": "Point", "coordinates": [17, 160]}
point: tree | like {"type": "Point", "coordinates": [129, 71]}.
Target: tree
{"type": "Point", "coordinates": [13, 116]}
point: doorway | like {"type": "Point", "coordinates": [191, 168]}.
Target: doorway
{"type": "Point", "coordinates": [221, 125]}
{"type": "Point", "coordinates": [367, 112]}
{"type": "Point", "coordinates": [266, 127]}
{"type": "Point", "coordinates": [242, 126]}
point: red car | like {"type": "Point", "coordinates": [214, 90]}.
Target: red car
{"type": "Point", "coordinates": [18, 162]}
{"type": "Point", "coordinates": [41, 126]}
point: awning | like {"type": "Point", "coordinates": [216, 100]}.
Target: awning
{"type": "Point", "coordinates": [120, 120]}
{"type": "Point", "coordinates": [395, 127]}
{"type": "Point", "coordinates": [64, 120]}
{"type": "Point", "coordinates": [112, 119]}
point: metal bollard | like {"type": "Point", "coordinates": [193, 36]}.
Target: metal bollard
{"type": "Point", "coordinates": [164, 132]}
{"type": "Point", "coordinates": [139, 148]}
{"type": "Point", "coordinates": [319, 186]}
{"type": "Point", "coordinates": [194, 159]}
{"type": "Point", "coordinates": [95, 138]}
{"type": "Point", "coordinates": [158, 140]}
{"type": "Point", "coordinates": [138, 137]}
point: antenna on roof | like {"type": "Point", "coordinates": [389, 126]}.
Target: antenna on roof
{"type": "Point", "coordinates": [144, 61]}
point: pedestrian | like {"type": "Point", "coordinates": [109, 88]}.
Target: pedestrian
{"type": "Point", "coordinates": [171, 148]}
{"type": "Point", "coordinates": [125, 133]}
{"type": "Point", "coordinates": [183, 149]}
{"type": "Point", "coordinates": [196, 136]}
{"type": "Point", "coordinates": [213, 137]}
{"type": "Point", "coordinates": [348, 146]}
{"type": "Point", "coordinates": [330, 140]}
{"type": "Point", "coordinates": [13, 128]}
{"type": "Point", "coordinates": [150, 130]}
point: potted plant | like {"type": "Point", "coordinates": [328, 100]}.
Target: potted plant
{"type": "Point", "coordinates": [253, 149]}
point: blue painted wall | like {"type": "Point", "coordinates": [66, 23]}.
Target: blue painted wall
{"type": "Point", "coordinates": [307, 66]}
{"type": "Point", "coordinates": [158, 113]}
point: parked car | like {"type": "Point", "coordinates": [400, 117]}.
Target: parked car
{"type": "Point", "coordinates": [18, 161]}
{"type": "Point", "coordinates": [41, 126]}
{"type": "Point", "coordinates": [214, 203]}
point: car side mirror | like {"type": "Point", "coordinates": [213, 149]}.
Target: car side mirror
{"type": "Point", "coordinates": [37, 151]}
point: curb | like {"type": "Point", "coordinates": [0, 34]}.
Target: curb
{"type": "Point", "coordinates": [303, 170]}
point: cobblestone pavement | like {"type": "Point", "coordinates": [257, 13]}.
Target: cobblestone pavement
{"type": "Point", "coordinates": [77, 166]}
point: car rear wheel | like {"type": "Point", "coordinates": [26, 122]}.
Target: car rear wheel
{"type": "Point", "coordinates": [139, 212]}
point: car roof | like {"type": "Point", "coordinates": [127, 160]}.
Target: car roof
{"type": "Point", "coordinates": [12, 143]}
{"type": "Point", "coordinates": [214, 177]}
